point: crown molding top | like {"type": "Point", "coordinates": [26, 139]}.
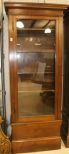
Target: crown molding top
{"type": "Point", "coordinates": [21, 5]}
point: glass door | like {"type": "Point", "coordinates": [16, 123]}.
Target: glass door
{"type": "Point", "coordinates": [35, 53]}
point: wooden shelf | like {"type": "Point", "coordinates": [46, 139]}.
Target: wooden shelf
{"type": "Point", "coordinates": [31, 29]}
{"type": "Point", "coordinates": [37, 91]}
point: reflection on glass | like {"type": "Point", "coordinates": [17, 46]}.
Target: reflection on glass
{"type": "Point", "coordinates": [36, 68]}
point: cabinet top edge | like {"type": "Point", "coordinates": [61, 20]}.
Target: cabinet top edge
{"type": "Point", "coordinates": [21, 5]}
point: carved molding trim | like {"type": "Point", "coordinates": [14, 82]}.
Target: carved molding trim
{"type": "Point", "coordinates": [5, 145]}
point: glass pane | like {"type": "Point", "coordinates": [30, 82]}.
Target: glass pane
{"type": "Point", "coordinates": [36, 67]}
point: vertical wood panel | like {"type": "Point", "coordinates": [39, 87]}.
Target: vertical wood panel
{"type": "Point", "coordinates": [60, 65]}
{"type": "Point", "coordinates": [12, 61]}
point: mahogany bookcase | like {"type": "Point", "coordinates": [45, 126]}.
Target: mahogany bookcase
{"type": "Point", "coordinates": [35, 59]}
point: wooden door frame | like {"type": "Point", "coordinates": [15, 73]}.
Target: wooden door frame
{"type": "Point", "coordinates": [13, 72]}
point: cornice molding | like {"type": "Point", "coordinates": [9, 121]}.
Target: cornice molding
{"type": "Point", "coordinates": [21, 5]}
